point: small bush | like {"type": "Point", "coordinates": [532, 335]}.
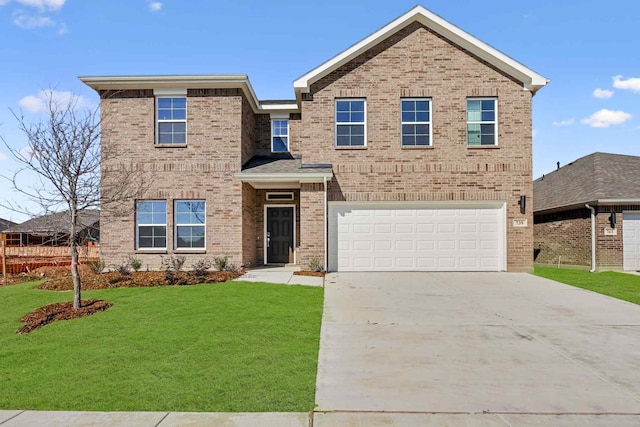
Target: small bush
{"type": "Point", "coordinates": [123, 269]}
{"type": "Point", "coordinates": [201, 267]}
{"type": "Point", "coordinates": [221, 263]}
{"type": "Point", "coordinates": [315, 264]}
{"type": "Point", "coordinates": [97, 265]}
{"type": "Point", "coordinates": [135, 263]}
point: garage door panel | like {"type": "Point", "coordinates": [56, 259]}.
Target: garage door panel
{"type": "Point", "coordinates": [391, 238]}
{"type": "Point", "coordinates": [631, 240]}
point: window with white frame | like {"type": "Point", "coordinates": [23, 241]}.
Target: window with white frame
{"type": "Point", "coordinates": [482, 124]}
{"type": "Point", "coordinates": [171, 114]}
{"type": "Point", "coordinates": [279, 135]}
{"type": "Point", "coordinates": [151, 224]}
{"type": "Point", "coordinates": [351, 123]}
{"type": "Point", "coordinates": [416, 122]}
{"type": "Point", "coordinates": [190, 224]}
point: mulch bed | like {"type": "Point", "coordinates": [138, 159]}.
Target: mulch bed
{"type": "Point", "coordinates": [309, 273]}
{"type": "Point", "coordinates": [60, 311]}
{"type": "Point", "coordinates": [110, 280]}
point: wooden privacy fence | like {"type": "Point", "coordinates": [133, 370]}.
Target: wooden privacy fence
{"type": "Point", "coordinates": [25, 259]}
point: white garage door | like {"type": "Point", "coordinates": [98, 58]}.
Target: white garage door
{"type": "Point", "coordinates": [631, 240]}
{"type": "Point", "coordinates": [404, 237]}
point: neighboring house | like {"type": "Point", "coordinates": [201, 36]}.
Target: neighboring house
{"type": "Point", "coordinates": [5, 223]}
{"type": "Point", "coordinates": [411, 150]}
{"type": "Point", "coordinates": [53, 229]}
{"type": "Point", "coordinates": [591, 203]}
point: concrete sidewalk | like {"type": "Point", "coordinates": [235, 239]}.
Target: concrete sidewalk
{"type": "Point", "coordinates": [151, 419]}
{"type": "Point", "coordinates": [303, 419]}
{"type": "Point", "coordinates": [280, 275]}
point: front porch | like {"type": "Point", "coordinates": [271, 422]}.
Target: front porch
{"type": "Point", "coordinates": [284, 211]}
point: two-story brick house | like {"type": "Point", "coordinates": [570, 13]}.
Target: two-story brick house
{"type": "Point", "coordinates": [411, 150]}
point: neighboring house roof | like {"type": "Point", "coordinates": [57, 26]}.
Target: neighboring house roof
{"type": "Point", "coordinates": [530, 79]}
{"type": "Point", "coordinates": [5, 223]}
{"type": "Point", "coordinates": [599, 178]}
{"type": "Point", "coordinates": [57, 223]}
{"type": "Point", "coordinates": [287, 168]}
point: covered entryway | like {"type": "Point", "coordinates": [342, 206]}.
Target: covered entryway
{"type": "Point", "coordinates": [461, 236]}
{"type": "Point", "coordinates": [631, 240]}
{"type": "Point", "coordinates": [280, 234]}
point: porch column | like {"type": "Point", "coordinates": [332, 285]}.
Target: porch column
{"type": "Point", "coordinates": [312, 213]}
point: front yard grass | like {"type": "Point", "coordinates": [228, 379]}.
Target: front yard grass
{"type": "Point", "coordinates": [232, 347]}
{"type": "Point", "coordinates": [618, 285]}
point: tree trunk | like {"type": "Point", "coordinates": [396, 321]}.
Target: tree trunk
{"type": "Point", "coordinates": [75, 275]}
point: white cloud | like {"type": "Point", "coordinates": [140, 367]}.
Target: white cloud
{"type": "Point", "coordinates": [632, 83]}
{"type": "Point", "coordinates": [38, 103]}
{"type": "Point", "coordinates": [567, 122]}
{"type": "Point", "coordinates": [605, 118]}
{"type": "Point", "coordinates": [3, 2]}
{"type": "Point", "coordinates": [534, 133]}
{"type": "Point", "coordinates": [2, 156]}
{"type": "Point", "coordinates": [602, 93]}
{"type": "Point", "coordinates": [155, 6]}
{"type": "Point", "coordinates": [28, 22]}
{"type": "Point", "coordinates": [44, 4]}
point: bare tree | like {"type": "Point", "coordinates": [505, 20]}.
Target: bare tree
{"type": "Point", "coordinates": [63, 153]}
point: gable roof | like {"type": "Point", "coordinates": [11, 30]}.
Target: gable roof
{"type": "Point", "coordinates": [56, 223]}
{"type": "Point", "coordinates": [5, 223]}
{"type": "Point", "coordinates": [599, 178]}
{"type": "Point", "coordinates": [530, 79]}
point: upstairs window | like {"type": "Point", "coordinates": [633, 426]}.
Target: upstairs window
{"type": "Point", "coordinates": [350, 123]}
{"type": "Point", "coordinates": [172, 120]}
{"type": "Point", "coordinates": [151, 224]}
{"type": "Point", "coordinates": [416, 122]}
{"type": "Point", "coordinates": [190, 224]}
{"type": "Point", "coordinates": [482, 125]}
{"type": "Point", "coordinates": [280, 136]}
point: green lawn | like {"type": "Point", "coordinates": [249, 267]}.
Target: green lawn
{"type": "Point", "coordinates": [225, 347]}
{"type": "Point", "coordinates": [618, 285]}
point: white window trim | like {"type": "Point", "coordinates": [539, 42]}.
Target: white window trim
{"type": "Point", "coordinates": [283, 193]}
{"type": "Point", "coordinates": [295, 256]}
{"type": "Point", "coordinates": [176, 224]}
{"type": "Point", "coordinates": [494, 122]}
{"type": "Point", "coordinates": [158, 121]}
{"type": "Point", "coordinates": [335, 119]}
{"type": "Point", "coordinates": [138, 225]}
{"type": "Point", "coordinates": [272, 135]}
{"type": "Point", "coordinates": [417, 123]}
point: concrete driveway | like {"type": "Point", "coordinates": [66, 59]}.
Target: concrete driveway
{"type": "Point", "coordinates": [505, 343]}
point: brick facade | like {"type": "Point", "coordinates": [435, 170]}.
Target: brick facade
{"type": "Point", "coordinates": [225, 130]}
{"type": "Point", "coordinates": [568, 235]}
{"type": "Point", "coordinates": [415, 62]}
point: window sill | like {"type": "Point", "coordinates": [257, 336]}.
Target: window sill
{"type": "Point", "coordinates": [364, 147]}
{"type": "Point", "coordinates": [151, 251]}
{"type": "Point", "coordinates": [416, 147]}
{"type": "Point", "coordinates": [170, 145]}
{"type": "Point", "coordinates": [190, 251]}
{"type": "Point", "coordinates": [482, 147]}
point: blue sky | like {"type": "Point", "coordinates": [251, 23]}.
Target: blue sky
{"type": "Point", "coordinates": [587, 48]}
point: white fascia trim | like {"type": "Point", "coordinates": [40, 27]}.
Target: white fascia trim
{"type": "Point", "coordinates": [531, 80]}
{"type": "Point", "coordinates": [279, 116]}
{"type": "Point", "coordinates": [170, 92]}
{"type": "Point", "coordinates": [214, 81]}
{"type": "Point", "coordinates": [278, 177]}
{"type": "Point", "coordinates": [279, 107]}
{"type": "Point", "coordinates": [617, 201]}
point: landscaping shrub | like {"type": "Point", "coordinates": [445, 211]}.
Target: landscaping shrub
{"type": "Point", "coordinates": [315, 264]}
{"type": "Point", "coordinates": [97, 265]}
{"type": "Point", "coordinates": [135, 263]}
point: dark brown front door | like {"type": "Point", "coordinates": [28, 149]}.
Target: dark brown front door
{"type": "Point", "coordinates": [279, 235]}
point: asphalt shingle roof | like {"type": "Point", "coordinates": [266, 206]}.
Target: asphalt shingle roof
{"type": "Point", "coordinates": [278, 164]}
{"type": "Point", "coordinates": [55, 223]}
{"type": "Point", "coordinates": [5, 223]}
{"type": "Point", "coordinates": [594, 177]}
